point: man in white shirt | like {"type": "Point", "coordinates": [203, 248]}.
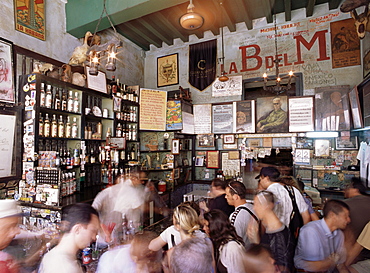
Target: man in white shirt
{"type": "Point", "coordinates": [80, 225]}
{"type": "Point", "coordinates": [243, 214]}
{"type": "Point", "coordinates": [269, 180]}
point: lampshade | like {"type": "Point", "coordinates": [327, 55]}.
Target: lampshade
{"type": "Point", "coordinates": [191, 20]}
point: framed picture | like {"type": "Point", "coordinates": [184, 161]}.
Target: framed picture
{"type": "Point", "coordinates": [206, 140]}
{"type": "Point", "coordinates": [244, 116]}
{"type": "Point", "coordinates": [229, 139]}
{"type": "Point", "coordinates": [222, 118]}
{"type": "Point", "coordinates": [98, 82]}
{"type": "Point", "coordinates": [30, 18]}
{"type": "Point", "coordinates": [175, 147]}
{"type": "Point", "coordinates": [199, 161]}
{"type": "Point", "coordinates": [355, 108]}
{"type": "Point", "coordinates": [301, 114]}
{"type": "Point", "coordinates": [185, 162]}
{"type": "Point", "coordinates": [332, 108]}
{"type": "Point", "coordinates": [272, 114]}
{"type": "Point", "coordinates": [346, 143]}
{"type": "Point", "coordinates": [322, 147]}
{"type": "Point", "coordinates": [213, 161]}
{"type": "Point", "coordinates": [176, 173]}
{"type": "Point", "coordinates": [7, 71]}
{"type": "Point", "coordinates": [167, 70]}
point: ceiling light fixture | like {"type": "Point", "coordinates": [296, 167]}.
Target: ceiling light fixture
{"type": "Point", "coordinates": [223, 77]}
{"type": "Point", "coordinates": [278, 87]}
{"type": "Point", "coordinates": [191, 20]}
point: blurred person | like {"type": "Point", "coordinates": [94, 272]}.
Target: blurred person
{"type": "Point", "coordinates": [321, 243]}
{"type": "Point", "coordinates": [132, 258]}
{"type": "Point", "coordinates": [277, 236]}
{"type": "Point", "coordinates": [227, 244]}
{"type": "Point", "coordinates": [269, 179]}
{"type": "Point", "coordinates": [243, 214]}
{"type": "Point", "coordinates": [275, 120]}
{"type": "Point", "coordinates": [258, 259]}
{"type": "Point", "coordinates": [80, 225]}
{"type": "Point", "coordinates": [192, 256]}
{"type": "Point", "coordinates": [218, 201]}
{"type": "Point", "coordinates": [358, 202]}
{"type": "Point", "coordinates": [299, 185]}
{"type": "Point", "coordinates": [363, 241]}
{"type": "Point", "coordinates": [9, 218]}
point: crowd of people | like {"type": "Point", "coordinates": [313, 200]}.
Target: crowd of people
{"type": "Point", "coordinates": [278, 231]}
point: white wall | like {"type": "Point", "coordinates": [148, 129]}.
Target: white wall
{"type": "Point", "coordinates": [315, 73]}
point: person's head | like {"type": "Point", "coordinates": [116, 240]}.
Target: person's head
{"type": "Point", "coordinates": [138, 178]}
{"type": "Point", "coordinates": [82, 220]}
{"type": "Point", "coordinates": [241, 118]}
{"type": "Point", "coordinates": [277, 103]}
{"type": "Point", "coordinates": [267, 176]}
{"type": "Point", "coordinates": [142, 255]}
{"type": "Point", "coordinates": [185, 219]}
{"type": "Point", "coordinates": [336, 212]}
{"type": "Point", "coordinates": [235, 193]}
{"type": "Point", "coordinates": [258, 259]}
{"type": "Point", "coordinates": [191, 256]}
{"type": "Point", "coordinates": [336, 98]}
{"type": "Point", "coordinates": [290, 181]}
{"type": "Point", "coordinates": [217, 186]}
{"type": "Point", "coordinates": [356, 187]}
{"type": "Point", "coordinates": [263, 202]}
{"type": "Point", "coordinates": [9, 218]}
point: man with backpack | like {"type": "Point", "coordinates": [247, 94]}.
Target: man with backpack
{"type": "Point", "coordinates": [289, 202]}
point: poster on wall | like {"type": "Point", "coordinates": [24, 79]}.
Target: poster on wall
{"type": "Point", "coordinates": [187, 123]}
{"type": "Point", "coordinates": [6, 71]}
{"type": "Point", "coordinates": [244, 116]}
{"type": "Point", "coordinates": [230, 162]}
{"type": "Point", "coordinates": [30, 17]}
{"type": "Point", "coordinates": [153, 106]}
{"type": "Point", "coordinates": [345, 44]}
{"type": "Point", "coordinates": [272, 114]}
{"type": "Point", "coordinates": [6, 144]}
{"type": "Point", "coordinates": [332, 108]}
{"type": "Point", "coordinates": [202, 118]}
{"type": "Point", "coordinates": [167, 70]}
{"type": "Point", "coordinates": [232, 87]}
{"type": "Point", "coordinates": [174, 115]}
{"type": "Point", "coordinates": [301, 117]}
{"type": "Point", "coordinates": [222, 117]}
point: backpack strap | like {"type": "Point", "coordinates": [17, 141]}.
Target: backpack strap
{"type": "Point", "coordinates": [294, 202]}
{"type": "Point", "coordinates": [236, 212]}
{"type": "Point", "coordinates": [173, 240]}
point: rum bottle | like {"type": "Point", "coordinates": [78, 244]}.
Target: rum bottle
{"type": "Point", "coordinates": [74, 128]}
{"type": "Point", "coordinates": [54, 127]}
{"type": "Point", "coordinates": [49, 97]}
{"type": "Point", "coordinates": [42, 95]}
{"type": "Point", "coordinates": [68, 130]}
{"type": "Point", "coordinates": [41, 126]}
{"type": "Point", "coordinates": [61, 127]}
{"type": "Point", "coordinates": [76, 103]}
{"type": "Point", "coordinates": [57, 102]}
{"type": "Point", "coordinates": [64, 101]}
{"type": "Point", "coordinates": [70, 102]}
{"type": "Point", "coordinates": [47, 126]}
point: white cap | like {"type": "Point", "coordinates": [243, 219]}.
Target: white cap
{"type": "Point", "coordinates": [9, 208]}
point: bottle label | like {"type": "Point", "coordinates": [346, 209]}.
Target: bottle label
{"type": "Point", "coordinates": [75, 106]}
{"type": "Point", "coordinates": [68, 131]}
{"type": "Point", "coordinates": [48, 101]}
{"type": "Point", "coordinates": [61, 131]}
{"type": "Point", "coordinates": [74, 131]}
{"type": "Point", "coordinates": [70, 106]}
{"type": "Point", "coordinates": [41, 129]}
{"type": "Point", "coordinates": [46, 130]}
{"type": "Point", "coordinates": [54, 130]}
{"type": "Point", "coordinates": [42, 99]}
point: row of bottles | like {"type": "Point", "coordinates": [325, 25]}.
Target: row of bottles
{"type": "Point", "coordinates": [62, 128]}
{"type": "Point", "coordinates": [123, 91]}
{"type": "Point", "coordinates": [69, 183]}
{"type": "Point", "coordinates": [128, 113]}
{"type": "Point", "coordinates": [92, 153]}
{"type": "Point", "coordinates": [93, 130]}
{"type": "Point", "coordinates": [56, 98]}
{"type": "Point", "coordinates": [229, 174]}
{"type": "Point", "coordinates": [129, 131]}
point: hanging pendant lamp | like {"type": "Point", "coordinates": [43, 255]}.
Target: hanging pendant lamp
{"type": "Point", "coordinates": [191, 20]}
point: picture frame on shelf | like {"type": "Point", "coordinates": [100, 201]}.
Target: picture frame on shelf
{"type": "Point", "coordinates": [346, 143]}
{"type": "Point", "coordinates": [206, 140]}
{"type": "Point", "coordinates": [167, 70]}
{"type": "Point", "coordinates": [176, 173]}
{"type": "Point", "coordinates": [355, 108]}
{"type": "Point", "coordinates": [7, 87]}
{"type": "Point", "coordinates": [199, 161]}
{"type": "Point", "coordinates": [322, 147]}
{"type": "Point", "coordinates": [229, 139]}
{"type": "Point", "coordinates": [213, 161]}
{"type": "Point", "coordinates": [185, 162]}
{"type": "Point", "coordinates": [175, 146]}
{"type": "Point", "coordinates": [98, 82]}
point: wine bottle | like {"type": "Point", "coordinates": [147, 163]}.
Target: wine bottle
{"type": "Point", "coordinates": [41, 126]}
{"type": "Point", "coordinates": [57, 102]}
{"type": "Point", "coordinates": [64, 101]}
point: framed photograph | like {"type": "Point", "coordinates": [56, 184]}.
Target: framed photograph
{"type": "Point", "coordinates": [244, 116]}
{"type": "Point", "coordinates": [366, 64]}
{"type": "Point", "coordinates": [301, 114]}
{"type": "Point", "coordinates": [272, 114]}
{"type": "Point", "coordinates": [176, 173]}
{"type": "Point", "coordinates": [222, 118]}
{"type": "Point", "coordinates": [213, 161]}
{"type": "Point", "coordinates": [322, 147]}
{"type": "Point", "coordinates": [185, 162]}
{"type": "Point", "coordinates": [355, 108]}
{"type": "Point", "coordinates": [332, 108]}
{"type": "Point", "coordinates": [206, 140]}
{"type": "Point", "coordinates": [175, 147]}
{"type": "Point", "coordinates": [7, 72]}
{"type": "Point", "coordinates": [167, 70]}
{"type": "Point", "coordinates": [98, 82]}
{"type": "Point", "coordinates": [229, 139]}
{"type": "Point", "coordinates": [30, 18]}
{"type": "Point", "coordinates": [346, 143]}
{"type": "Point", "coordinates": [199, 161]}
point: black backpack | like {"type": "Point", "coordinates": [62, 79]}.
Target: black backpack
{"type": "Point", "coordinates": [296, 220]}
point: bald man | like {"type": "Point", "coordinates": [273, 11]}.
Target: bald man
{"type": "Point", "coordinates": [275, 121]}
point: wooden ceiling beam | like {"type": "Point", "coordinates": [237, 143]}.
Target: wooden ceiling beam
{"type": "Point", "coordinates": [150, 38]}
{"type": "Point", "coordinates": [267, 7]}
{"type": "Point", "coordinates": [310, 8]}
{"type": "Point", "coordinates": [156, 31]}
{"type": "Point", "coordinates": [241, 5]}
{"type": "Point", "coordinates": [334, 4]}
{"type": "Point", "coordinates": [288, 10]}
{"type": "Point", "coordinates": [163, 20]}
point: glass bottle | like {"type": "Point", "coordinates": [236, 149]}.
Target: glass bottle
{"type": "Point", "coordinates": [64, 101]}
{"type": "Point", "coordinates": [54, 127]}
{"type": "Point", "coordinates": [113, 85]}
{"type": "Point", "coordinates": [41, 126]}
{"type": "Point", "coordinates": [61, 127]}
{"type": "Point", "coordinates": [49, 97]}
{"type": "Point", "coordinates": [119, 130]}
{"type": "Point", "coordinates": [76, 103]}
{"type": "Point", "coordinates": [70, 102]}
{"type": "Point", "coordinates": [92, 155]}
{"type": "Point", "coordinates": [134, 132]}
{"type": "Point", "coordinates": [57, 102]}
{"type": "Point", "coordinates": [74, 128]}
{"type": "Point", "coordinates": [68, 130]}
{"type": "Point", "coordinates": [46, 126]}
{"type": "Point", "coordinates": [42, 95]}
